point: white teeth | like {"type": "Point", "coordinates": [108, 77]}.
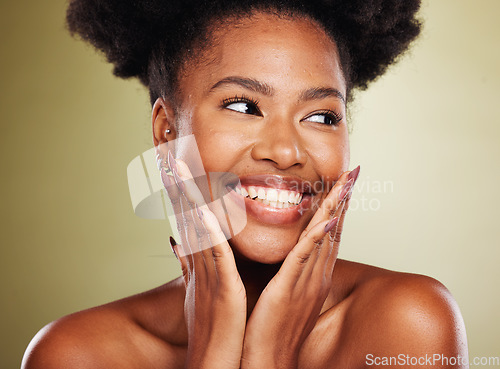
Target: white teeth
{"type": "Point", "coordinates": [281, 199]}
{"type": "Point", "coordinates": [261, 193]}
{"type": "Point", "coordinates": [272, 194]}
{"type": "Point", "coordinates": [252, 192]}
{"type": "Point", "coordinates": [244, 192]}
{"type": "Point", "coordinates": [283, 196]}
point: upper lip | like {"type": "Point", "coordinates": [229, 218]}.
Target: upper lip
{"type": "Point", "coordinates": [292, 183]}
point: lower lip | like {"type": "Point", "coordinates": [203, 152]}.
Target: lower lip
{"type": "Point", "coordinates": [271, 215]}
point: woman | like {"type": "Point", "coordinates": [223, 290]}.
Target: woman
{"type": "Point", "coordinates": [263, 88]}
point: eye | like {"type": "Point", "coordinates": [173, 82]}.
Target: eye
{"type": "Point", "coordinates": [242, 105]}
{"type": "Point", "coordinates": [327, 117]}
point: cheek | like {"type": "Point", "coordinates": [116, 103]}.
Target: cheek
{"type": "Point", "coordinates": [330, 158]}
{"type": "Point", "coordinates": [220, 146]}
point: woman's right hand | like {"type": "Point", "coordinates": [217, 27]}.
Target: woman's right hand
{"type": "Point", "coordinates": [215, 303]}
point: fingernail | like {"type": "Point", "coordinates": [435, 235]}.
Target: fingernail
{"type": "Point", "coordinates": [354, 173]}
{"type": "Point", "coordinates": [178, 180]}
{"type": "Point", "coordinates": [171, 161]}
{"type": "Point", "coordinates": [198, 210]}
{"type": "Point", "coordinates": [332, 224]}
{"type": "Point", "coordinates": [346, 189]}
{"type": "Point", "coordinates": [172, 244]}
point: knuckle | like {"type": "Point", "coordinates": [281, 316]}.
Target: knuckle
{"type": "Point", "coordinates": [318, 244]}
{"type": "Point", "coordinates": [303, 257]}
{"type": "Point", "coordinates": [185, 271]}
{"type": "Point", "coordinates": [337, 237]}
{"type": "Point", "coordinates": [331, 236]}
{"type": "Point", "coordinates": [218, 254]}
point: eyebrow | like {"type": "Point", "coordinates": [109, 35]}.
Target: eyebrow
{"type": "Point", "coordinates": [316, 93]}
{"type": "Point", "coordinates": [247, 83]}
{"type": "Point", "coordinates": [321, 93]}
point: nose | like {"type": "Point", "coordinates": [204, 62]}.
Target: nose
{"type": "Point", "coordinates": [279, 142]}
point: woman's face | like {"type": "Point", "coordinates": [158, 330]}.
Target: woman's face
{"type": "Point", "coordinates": [267, 104]}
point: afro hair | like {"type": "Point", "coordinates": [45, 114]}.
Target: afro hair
{"type": "Point", "coordinates": [150, 39]}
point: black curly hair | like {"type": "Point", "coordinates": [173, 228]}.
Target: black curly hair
{"type": "Point", "coordinates": [151, 39]}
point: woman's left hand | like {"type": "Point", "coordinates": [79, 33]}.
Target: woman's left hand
{"type": "Point", "coordinates": [291, 303]}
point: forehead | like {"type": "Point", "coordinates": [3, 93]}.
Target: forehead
{"type": "Point", "coordinates": [286, 53]}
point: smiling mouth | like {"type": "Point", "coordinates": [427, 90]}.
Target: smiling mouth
{"type": "Point", "coordinates": [272, 197]}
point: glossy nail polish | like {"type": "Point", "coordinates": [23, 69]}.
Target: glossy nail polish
{"type": "Point", "coordinates": [172, 244]}
{"type": "Point", "coordinates": [346, 189]}
{"type": "Point", "coordinates": [331, 225]}
{"type": "Point", "coordinates": [354, 173]}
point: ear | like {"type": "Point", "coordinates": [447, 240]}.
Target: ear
{"type": "Point", "coordinates": [163, 117]}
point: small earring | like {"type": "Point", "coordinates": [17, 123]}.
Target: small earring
{"type": "Point", "coordinates": [167, 131]}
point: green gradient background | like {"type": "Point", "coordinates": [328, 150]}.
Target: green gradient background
{"type": "Point", "coordinates": [70, 239]}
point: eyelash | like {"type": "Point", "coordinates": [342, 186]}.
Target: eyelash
{"type": "Point", "coordinates": [240, 99]}
{"type": "Point", "coordinates": [334, 116]}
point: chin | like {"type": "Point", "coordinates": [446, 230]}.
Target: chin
{"type": "Point", "coordinates": [263, 247]}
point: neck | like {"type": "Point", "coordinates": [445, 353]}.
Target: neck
{"type": "Point", "coordinates": [255, 277]}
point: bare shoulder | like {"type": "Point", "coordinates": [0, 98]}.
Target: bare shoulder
{"type": "Point", "coordinates": [140, 331]}
{"type": "Point", "coordinates": [404, 315]}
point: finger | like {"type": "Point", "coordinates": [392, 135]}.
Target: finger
{"type": "Point", "coordinates": [221, 255]}
{"type": "Point", "coordinates": [194, 236]}
{"type": "Point", "coordinates": [329, 252]}
{"type": "Point", "coordinates": [337, 213]}
{"type": "Point", "coordinates": [300, 256]}
{"type": "Point", "coordinates": [175, 196]}
{"type": "Point", "coordinates": [212, 256]}
{"type": "Point", "coordinates": [182, 260]}
{"type": "Point", "coordinates": [333, 199]}
{"type": "Point", "coordinates": [203, 250]}
{"type": "Point", "coordinates": [181, 200]}
{"type": "Point", "coordinates": [185, 225]}
{"type": "Point", "coordinates": [186, 182]}
{"type": "Point", "coordinates": [334, 240]}
{"type": "Point", "coordinates": [329, 204]}
{"type": "Point", "coordinates": [217, 254]}
{"type": "Point", "coordinates": [321, 255]}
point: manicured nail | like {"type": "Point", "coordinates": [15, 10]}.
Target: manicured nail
{"type": "Point", "coordinates": [178, 180]}
{"type": "Point", "coordinates": [332, 224]}
{"type": "Point", "coordinates": [346, 189]}
{"type": "Point", "coordinates": [198, 210]}
{"type": "Point", "coordinates": [171, 161]}
{"type": "Point", "coordinates": [172, 244]}
{"type": "Point", "coordinates": [354, 173]}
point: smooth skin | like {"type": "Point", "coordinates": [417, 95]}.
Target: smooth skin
{"type": "Point", "coordinates": [273, 296]}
